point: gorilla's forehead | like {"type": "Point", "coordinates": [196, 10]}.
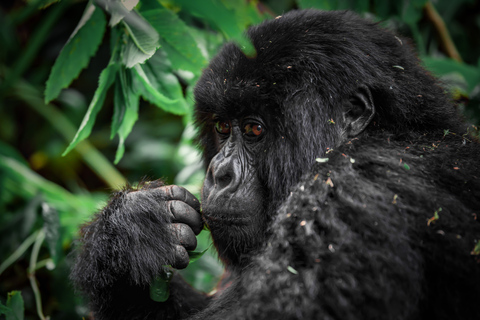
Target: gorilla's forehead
{"type": "Point", "coordinates": [313, 59]}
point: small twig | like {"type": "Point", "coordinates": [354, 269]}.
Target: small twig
{"type": "Point", "coordinates": [18, 253]}
{"type": "Point", "coordinates": [441, 28]}
{"type": "Point", "coordinates": [31, 273]}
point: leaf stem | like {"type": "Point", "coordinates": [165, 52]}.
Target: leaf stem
{"type": "Point", "coordinates": [445, 38]}
{"type": "Point", "coordinates": [31, 272]}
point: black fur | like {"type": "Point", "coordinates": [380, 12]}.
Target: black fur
{"type": "Point", "coordinates": [353, 239]}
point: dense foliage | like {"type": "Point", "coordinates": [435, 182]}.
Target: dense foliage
{"type": "Point", "coordinates": [74, 74]}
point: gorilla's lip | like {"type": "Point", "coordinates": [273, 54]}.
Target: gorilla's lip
{"type": "Point", "coordinates": [225, 219]}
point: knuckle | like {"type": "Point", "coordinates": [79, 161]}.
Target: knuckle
{"type": "Point", "coordinates": [181, 258]}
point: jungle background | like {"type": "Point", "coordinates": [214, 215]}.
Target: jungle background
{"type": "Point", "coordinates": [95, 94]}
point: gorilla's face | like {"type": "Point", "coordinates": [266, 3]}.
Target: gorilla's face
{"type": "Point", "coordinates": [233, 196]}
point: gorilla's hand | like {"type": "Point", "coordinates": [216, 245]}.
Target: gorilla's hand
{"type": "Point", "coordinates": [179, 213]}
{"type": "Point", "coordinates": [138, 234]}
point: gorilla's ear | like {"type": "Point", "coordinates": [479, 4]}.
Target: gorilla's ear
{"type": "Point", "coordinates": [358, 112]}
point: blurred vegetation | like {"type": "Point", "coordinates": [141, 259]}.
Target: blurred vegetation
{"type": "Point", "coordinates": [95, 94]}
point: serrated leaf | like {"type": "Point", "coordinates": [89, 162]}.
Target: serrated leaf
{"type": "Point", "coordinates": [151, 93]}
{"type": "Point", "coordinates": [127, 99]}
{"type": "Point", "coordinates": [176, 34]}
{"type": "Point", "coordinates": [107, 76]}
{"type": "Point", "coordinates": [51, 225]}
{"type": "Point", "coordinates": [144, 38]}
{"type": "Point", "coordinates": [131, 55]}
{"type": "Point", "coordinates": [77, 52]}
{"type": "Point", "coordinates": [159, 74]}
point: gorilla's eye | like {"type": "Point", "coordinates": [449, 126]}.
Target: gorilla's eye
{"type": "Point", "coordinates": [222, 127]}
{"type": "Point", "coordinates": [253, 129]}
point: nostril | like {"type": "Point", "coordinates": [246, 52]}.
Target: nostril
{"type": "Point", "coordinates": [223, 180]}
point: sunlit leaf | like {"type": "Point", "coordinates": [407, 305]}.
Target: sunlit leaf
{"type": "Point", "coordinates": [76, 54]}
{"type": "Point", "coordinates": [120, 9]}
{"type": "Point", "coordinates": [144, 38]}
{"type": "Point", "coordinates": [106, 79]}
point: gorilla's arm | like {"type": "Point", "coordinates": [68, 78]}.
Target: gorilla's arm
{"type": "Point", "coordinates": [132, 240]}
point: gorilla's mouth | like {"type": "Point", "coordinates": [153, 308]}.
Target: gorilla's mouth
{"type": "Point", "coordinates": [212, 219]}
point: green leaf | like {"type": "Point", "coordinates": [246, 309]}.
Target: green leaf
{"type": "Point", "coordinates": [160, 286]}
{"type": "Point", "coordinates": [445, 66]}
{"type": "Point", "coordinates": [14, 310]}
{"type": "Point", "coordinates": [322, 4]}
{"type": "Point", "coordinates": [144, 40]}
{"type": "Point", "coordinates": [176, 34]}
{"type": "Point", "coordinates": [195, 255]}
{"type": "Point", "coordinates": [411, 11]}
{"type": "Point", "coordinates": [119, 9]}
{"type": "Point", "coordinates": [76, 54]}
{"type": "Point", "coordinates": [126, 100]}
{"type": "Point", "coordinates": [51, 225]}
{"type": "Point", "coordinates": [406, 166]}
{"type": "Point", "coordinates": [150, 92]}
{"type": "Point", "coordinates": [476, 249]}
{"type": "Point", "coordinates": [292, 270]}
{"type": "Point", "coordinates": [106, 79]}
{"type": "Point", "coordinates": [223, 18]}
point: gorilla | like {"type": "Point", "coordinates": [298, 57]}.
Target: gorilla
{"type": "Point", "coordinates": [340, 184]}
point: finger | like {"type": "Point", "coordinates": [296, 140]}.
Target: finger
{"type": "Point", "coordinates": [183, 213]}
{"type": "Point", "coordinates": [181, 258]}
{"type": "Point", "coordinates": [184, 235]}
{"type": "Point", "coordinates": [173, 192]}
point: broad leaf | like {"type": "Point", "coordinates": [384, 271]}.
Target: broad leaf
{"type": "Point", "coordinates": [76, 54]}
{"type": "Point", "coordinates": [160, 76]}
{"type": "Point", "coordinates": [106, 79]}
{"type": "Point", "coordinates": [176, 34]}
{"type": "Point", "coordinates": [150, 92]}
{"type": "Point", "coordinates": [223, 18]}
{"type": "Point", "coordinates": [441, 67]}
{"type": "Point", "coordinates": [144, 38]}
